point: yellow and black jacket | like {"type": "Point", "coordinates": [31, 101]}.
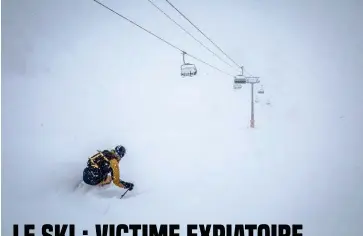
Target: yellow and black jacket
{"type": "Point", "coordinates": [107, 162]}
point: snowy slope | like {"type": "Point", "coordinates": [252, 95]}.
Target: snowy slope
{"type": "Point", "coordinates": [76, 78]}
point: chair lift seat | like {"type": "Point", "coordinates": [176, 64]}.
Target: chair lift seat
{"type": "Point", "coordinates": [188, 69]}
{"type": "Point", "coordinates": [240, 79]}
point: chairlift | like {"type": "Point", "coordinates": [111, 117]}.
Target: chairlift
{"type": "Point", "coordinates": [237, 86]}
{"type": "Point", "coordinates": [240, 79]}
{"type": "Point", "coordinates": [261, 91]}
{"type": "Point", "coordinates": [187, 69]}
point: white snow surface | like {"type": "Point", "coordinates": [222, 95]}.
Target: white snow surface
{"type": "Point", "coordinates": [76, 78]}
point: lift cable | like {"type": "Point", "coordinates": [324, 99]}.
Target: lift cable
{"type": "Point", "coordinates": [175, 47]}
{"type": "Point", "coordinates": [202, 33]}
{"type": "Point", "coordinates": [181, 27]}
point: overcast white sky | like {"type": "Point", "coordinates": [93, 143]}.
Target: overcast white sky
{"type": "Point", "coordinates": [305, 50]}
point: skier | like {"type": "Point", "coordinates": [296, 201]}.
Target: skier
{"type": "Point", "coordinates": [103, 163]}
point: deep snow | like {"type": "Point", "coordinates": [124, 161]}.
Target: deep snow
{"type": "Point", "coordinates": [76, 78]}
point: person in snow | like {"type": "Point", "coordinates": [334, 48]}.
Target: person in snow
{"type": "Point", "coordinates": [102, 168]}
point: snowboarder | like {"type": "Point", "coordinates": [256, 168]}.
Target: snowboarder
{"type": "Point", "coordinates": [102, 164]}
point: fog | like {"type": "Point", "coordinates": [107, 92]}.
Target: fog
{"type": "Point", "coordinates": [77, 78]}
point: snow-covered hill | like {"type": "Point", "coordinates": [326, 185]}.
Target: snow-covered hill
{"type": "Point", "coordinates": [76, 78]}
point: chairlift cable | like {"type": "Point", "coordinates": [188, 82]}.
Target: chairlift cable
{"type": "Point", "coordinates": [210, 65]}
{"type": "Point", "coordinates": [246, 72]}
{"type": "Point", "coordinates": [181, 27]}
{"type": "Point", "coordinates": [202, 33]}
{"type": "Point", "coordinates": [148, 31]}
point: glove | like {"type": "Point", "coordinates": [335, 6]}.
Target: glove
{"type": "Point", "coordinates": [129, 186]}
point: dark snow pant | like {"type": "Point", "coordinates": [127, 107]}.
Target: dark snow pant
{"type": "Point", "coordinates": [93, 176]}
